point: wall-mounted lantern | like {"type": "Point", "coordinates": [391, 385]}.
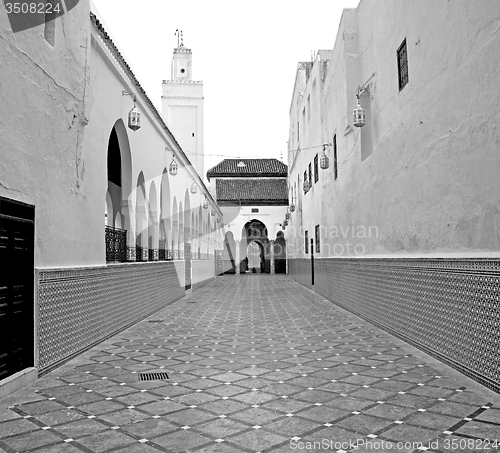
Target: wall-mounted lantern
{"type": "Point", "coordinates": [173, 168]}
{"type": "Point", "coordinates": [218, 219]}
{"type": "Point", "coordinates": [287, 215]}
{"type": "Point", "coordinates": [324, 162]}
{"type": "Point", "coordinates": [292, 206]}
{"type": "Point", "coordinates": [134, 116]}
{"type": "Point", "coordinates": [307, 185]}
{"type": "Point", "coordinates": [359, 112]}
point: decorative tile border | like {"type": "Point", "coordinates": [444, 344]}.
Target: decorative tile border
{"type": "Point", "coordinates": [78, 307]}
{"type": "Point", "coordinates": [448, 307]}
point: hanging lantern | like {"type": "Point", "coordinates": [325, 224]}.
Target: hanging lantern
{"type": "Point", "coordinates": [193, 188]}
{"type": "Point", "coordinates": [292, 208]}
{"type": "Point", "coordinates": [173, 167]}
{"type": "Point", "coordinates": [218, 219]}
{"type": "Point", "coordinates": [212, 212]}
{"type": "Point", "coordinates": [134, 118]}
{"type": "Point", "coordinates": [285, 223]}
{"type": "Point", "coordinates": [287, 215]}
{"type": "Point", "coordinates": [205, 203]}
{"type": "Point", "coordinates": [306, 185]}
{"type": "Point", "coordinates": [359, 115]}
{"type": "Point", "coordinates": [324, 162]}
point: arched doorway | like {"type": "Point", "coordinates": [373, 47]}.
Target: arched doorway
{"type": "Point", "coordinates": [187, 240]}
{"type": "Point", "coordinates": [153, 226]}
{"type": "Point", "coordinates": [165, 241]}
{"type": "Point", "coordinates": [115, 237]}
{"type": "Point", "coordinates": [114, 189]}
{"type": "Point", "coordinates": [141, 220]}
{"type": "Point", "coordinates": [120, 239]}
{"type": "Point", "coordinates": [255, 257]}
{"type": "Point", "coordinates": [255, 231]}
{"type": "Point", "coordinates": [279, 249]}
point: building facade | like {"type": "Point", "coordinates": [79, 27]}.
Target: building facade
{"type": "Point", "coordinates": [102, 222]}
{"type": "Point", "coordinates": [404, 224]}
{"type": "Point", "coordinates": [253, 197]}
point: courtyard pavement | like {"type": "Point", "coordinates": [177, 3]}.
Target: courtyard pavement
{"type": "Point", "coordinates": [255, 363]}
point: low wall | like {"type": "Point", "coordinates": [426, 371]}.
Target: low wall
{"type": "Point", "coordinates": [450, 308]}
{"type": "Point", "coordinates": [203, 271]}
{"type": "Point", "coordinates": [79, 307]}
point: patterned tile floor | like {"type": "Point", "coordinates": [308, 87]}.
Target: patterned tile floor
{"type": "Point", "coordinates": [256, 363]}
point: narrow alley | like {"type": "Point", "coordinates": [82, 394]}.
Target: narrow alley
{"type": "Point", "coordinates": [255, 363]}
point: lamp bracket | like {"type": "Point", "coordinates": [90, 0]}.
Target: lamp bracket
{"type": "Point", "coordinates": [366, 86]}
{"type": "Point", "coordinates": [128, 93]}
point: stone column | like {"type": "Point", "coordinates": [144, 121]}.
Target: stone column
{"type": "Point", "coordinates": [155, 227]}
{"type": "Point", "coordinates": [237, 253]}
{"type": "Point", "coordinates": [127, 210]}
{"type": "Point", "coordinates": [273, 270]}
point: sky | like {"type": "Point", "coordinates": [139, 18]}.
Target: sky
{"type": "Point", "coordinates": [246, 54]}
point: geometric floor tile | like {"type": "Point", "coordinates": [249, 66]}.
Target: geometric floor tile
{"type": "Point", "coordinates": [255, 363]}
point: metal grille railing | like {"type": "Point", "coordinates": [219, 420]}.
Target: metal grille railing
{"type": "Point", "coordinates": [151, 256]}
{"type": "Point", "coordinates": [138, 248]}
{"type": "Point", "coordinates": [163, 253]}
{"type": "Point", "coordinates": [116, 245]}
{"type": "Point", "coordinates": [138, 253]}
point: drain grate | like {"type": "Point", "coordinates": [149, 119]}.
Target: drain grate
{"type": "Point", "coordinates": [155, 320]}
{"type": "Point", "coordinates": [152, 376]}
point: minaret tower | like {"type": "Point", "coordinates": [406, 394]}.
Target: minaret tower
{"type": "Point", "coordinates": [182, 104]}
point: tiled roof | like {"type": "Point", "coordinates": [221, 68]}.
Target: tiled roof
{"type": "Point", "coordinates": [267, 190]}
{"type": "Point", "coordinates": [248, 167]}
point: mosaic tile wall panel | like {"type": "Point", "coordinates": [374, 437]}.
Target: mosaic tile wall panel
{"type": "Point", "coordinates": [78, 307]}
{"type": "Point", "coordinates": [300, 270]}
{"type": "Point", "coordinates": [448, 307]}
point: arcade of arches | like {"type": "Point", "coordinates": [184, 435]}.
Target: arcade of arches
{"type": "Point", "coordinates": [255, 252]}
{"type": "Point", "coordinates": [148, 220]}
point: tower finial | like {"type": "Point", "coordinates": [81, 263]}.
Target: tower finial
{"type": "Point", "coordinates": [180, 38]}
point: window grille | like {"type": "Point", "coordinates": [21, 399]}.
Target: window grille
{"type": "Point", "coordinates": [402, 65]}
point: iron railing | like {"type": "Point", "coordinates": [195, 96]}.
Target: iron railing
{"type": "Point", "coordinates": [164, 254]}
{"type": "Point", "coordinates": [116, 245]}
{"type": "Point", "coordinates": [138, 253]}
{"type": "Point", "coordinates": [151, 252]}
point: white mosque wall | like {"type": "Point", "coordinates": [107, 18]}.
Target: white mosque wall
{"type": "Point", "coordinates": [421, 176]}
{"type": "Point", "coordinates": [44, 99]}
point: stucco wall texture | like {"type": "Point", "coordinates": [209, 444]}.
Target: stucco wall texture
{"type": "Point", "coordinates": [46, 87]}
{"type": "Point", "coordinates": [431, 181]}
